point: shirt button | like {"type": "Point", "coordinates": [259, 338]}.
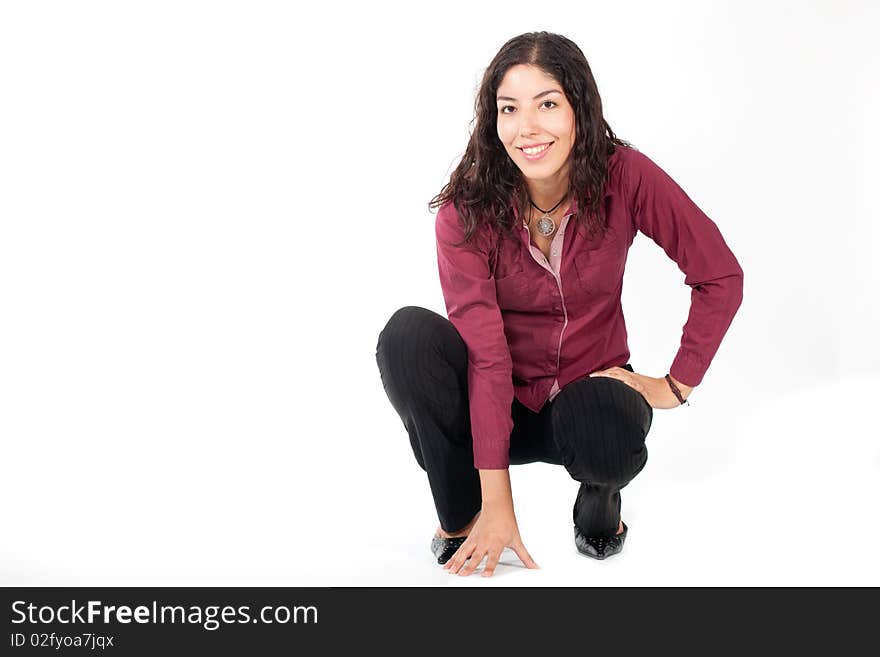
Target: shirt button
{"type": "Point", "coordinates": [554, 253]}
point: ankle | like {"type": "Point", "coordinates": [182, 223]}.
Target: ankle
{"type": "Point", "coordinates": [461, 532]}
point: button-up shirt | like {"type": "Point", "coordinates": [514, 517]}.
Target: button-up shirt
{"type": "Point", "coordinates": [532, 326]}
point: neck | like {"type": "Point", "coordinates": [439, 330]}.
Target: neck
{"type": "Point", "coordinates": [546, 193]}
{"type": "Point", "coordinates": [548, 200]}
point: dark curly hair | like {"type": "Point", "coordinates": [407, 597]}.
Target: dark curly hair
{"type": "Point", "coordinates": [486, 180]}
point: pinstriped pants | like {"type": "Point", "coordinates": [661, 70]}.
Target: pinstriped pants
{"type": "Point", "coordinates": [595, 427]}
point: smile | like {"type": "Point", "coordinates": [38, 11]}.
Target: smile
{"type": "Point", "coordinates": [536, 153]}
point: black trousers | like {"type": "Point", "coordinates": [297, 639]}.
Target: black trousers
{"type": "Point", "coordinates": [595, 427]}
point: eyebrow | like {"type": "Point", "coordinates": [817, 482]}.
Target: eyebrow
{"type": "Point", "coordinates": [543, 93]}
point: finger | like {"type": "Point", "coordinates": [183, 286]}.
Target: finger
{"type": "Point", "coordinates": [609, 373]}
{"type": "Point", "coordinates": [471, 565]}
{"type": "Point", "coordinates": [614, 373]}
{"type": "Point", "coordinates": [524, 555]}
{"type": "Point", "coordinates": [451, 561]}
{"type": "Point", "coordinates": [491, 562]}
{"type": "Point", "coordinates": [461, 555]}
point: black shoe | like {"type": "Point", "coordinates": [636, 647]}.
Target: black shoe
{"type": "Point", "coordinates": [599, 547]}
{"type": "Point", "coordinates": [444, 548]}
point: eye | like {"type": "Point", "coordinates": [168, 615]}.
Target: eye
{"type": "Point", "coordinates": [502, 109]}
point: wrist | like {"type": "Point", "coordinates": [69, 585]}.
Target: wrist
{"type": "Point", "coordinates": [680, 390]}
{"type": "Point", "coordinates": [496, 491]}
{"type": "Point", "coordinates": [683, 387]}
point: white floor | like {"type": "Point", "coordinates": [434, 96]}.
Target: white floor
{"type": "Point", "coordinates": [779, 492]}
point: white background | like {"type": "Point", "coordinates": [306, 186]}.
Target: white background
{"type": "Point", "coordinates": [209, 210]}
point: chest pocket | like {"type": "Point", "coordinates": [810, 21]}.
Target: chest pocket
{"type": "Point", "coordinates": [600, 266]}
{"type": "Point", "coordinates": [511, 280]}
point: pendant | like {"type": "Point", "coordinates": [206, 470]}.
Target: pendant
{"type": "Point", "coordinates": [546, 225]}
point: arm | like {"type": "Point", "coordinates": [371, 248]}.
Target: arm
{"type": "Point", "coordinates": [663, 211]}
{"type": "Point", "coordinates": [472, 306]}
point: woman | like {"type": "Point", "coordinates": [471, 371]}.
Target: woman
{"type": "Point", "coordinates": [532, 363]}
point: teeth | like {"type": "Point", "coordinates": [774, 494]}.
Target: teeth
{"type": "Point", "coordinates": [535, 151]}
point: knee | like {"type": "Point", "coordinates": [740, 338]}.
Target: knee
{"type": "Point", "coordinates": [423, 364]}
{"type": "Point", "coordinates": [599, 440]}
{"type": "Point", "coordinates": [403, 322]}
{"type": "Point", "coordinates": [412, 332]}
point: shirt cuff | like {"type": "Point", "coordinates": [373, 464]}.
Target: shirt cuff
{"type": "Point", "coordinates": [492, 456]}
{"type": "Point", "coordinates": [688, 368]}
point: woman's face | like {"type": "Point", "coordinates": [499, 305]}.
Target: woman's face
{"type": "Point", "coordinates": [533, 110]}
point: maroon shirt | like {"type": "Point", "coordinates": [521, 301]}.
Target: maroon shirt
{"type": "Point", "coordinates": [533, 326]}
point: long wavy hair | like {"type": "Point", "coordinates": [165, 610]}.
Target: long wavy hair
{"type": "Point", "coordinates": [486, 180]}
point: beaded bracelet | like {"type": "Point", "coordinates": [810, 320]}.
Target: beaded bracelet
{"type": "Point", "coordinates": [676, 391]}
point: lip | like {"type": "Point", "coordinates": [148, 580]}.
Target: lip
{"type": "Point", "coordinates": [534, 158]}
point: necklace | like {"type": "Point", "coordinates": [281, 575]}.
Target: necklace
{"type": "Point", "coordinates": [545, 224]}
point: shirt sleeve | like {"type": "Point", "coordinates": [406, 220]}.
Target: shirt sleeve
{"type": "Point", "coordinates": [663, 212]}
{"type": "Point", "coordinates": [472, 307]}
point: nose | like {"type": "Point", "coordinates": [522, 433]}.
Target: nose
{"type": "Point", "coordinates": [528, 123]}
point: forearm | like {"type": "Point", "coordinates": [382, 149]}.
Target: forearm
{"type": "Point", "coordinates": [497, 493]}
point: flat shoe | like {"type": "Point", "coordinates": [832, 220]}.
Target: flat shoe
{"type": "Point", "coordinates": [444, 548]}
{"type": "Point", "coordinates": [599, 547]}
